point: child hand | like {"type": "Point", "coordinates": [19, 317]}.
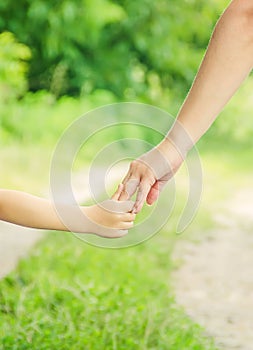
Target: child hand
{"type": "Point", "coordinates": [111, 218]}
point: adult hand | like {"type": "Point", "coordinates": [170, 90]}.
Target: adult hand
{"type": "Point", "coordinates": [149, 174]}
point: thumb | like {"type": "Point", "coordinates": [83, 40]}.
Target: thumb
{"type": "Point", "coordinates": [155, 191]}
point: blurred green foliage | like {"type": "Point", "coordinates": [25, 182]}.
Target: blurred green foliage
{"type": "Point", "coordinates": [234, 125]}
{"type": "Point", "coordinates": [132, 48]}
{"type": "Point", "coordinates": [13, 67]}
{"type": "Point", "coordinates": [80, 297]}
{"type": "Point", "coordinates": [58, 60]}
{"type": "Point", "coordinates": [74, 55]}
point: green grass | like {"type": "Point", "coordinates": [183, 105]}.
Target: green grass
{"type": "Point", "coordinates": [68, 295]}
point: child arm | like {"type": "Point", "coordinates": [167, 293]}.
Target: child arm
{"type": "Point", "coordinates": [111, 219]}
{"type": "Point", "coordinates": [27, 210]}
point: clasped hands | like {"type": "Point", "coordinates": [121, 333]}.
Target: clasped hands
{"type": "Point", "coordinates": [147, 176]}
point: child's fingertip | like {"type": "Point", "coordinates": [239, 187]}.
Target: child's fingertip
{"type": "Point", "coordinates": [134, 211]}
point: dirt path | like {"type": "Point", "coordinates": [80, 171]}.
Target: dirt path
{"type": "Point", "coordinates": [214, 283]}
{"type": "Point", "coordinates": [15, 241]}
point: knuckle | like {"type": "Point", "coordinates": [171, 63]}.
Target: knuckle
{"type": "Point", "coordinates": [149, 179]}
{"type": "Point", "coordinates": [133, 164]}
{"type": "Point", "coordinates": [129, 224]}
{"type": "Point", "coordinates": [124, 194]}
{"type": "Point", "coordinates": [133, 216]}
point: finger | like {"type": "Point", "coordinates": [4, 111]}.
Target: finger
{"type": "Point", "coordinates": [130, 188]}
{"type": "Point", "coordinates": [153, 194]}
{"type": "Point", "coordinates": [127, 177]}
{"type": "Point", "coordinates": [124, 196]}
{"type": "Point", "coordinates": [114, 233]}
{"type": "Point", "coordinates": [155, 191]}
{"type": "Point", "coordinates": [128, 217]}
{"type": "Point", "coordinates": [117, 194]}
{"type": "Point", "coordinates": [118, 207]}
{"type": "Point", "coordinates": [126, 207]}
{"type": "Point", "coordinates": [120, 233]}
{"type": "Point", "coordinates": [143, 191]}
{"type": "Point", "coordinates": [126, 225]}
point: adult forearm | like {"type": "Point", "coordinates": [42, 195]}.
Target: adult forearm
{"type": "Point", "coordinates": [228, 61]}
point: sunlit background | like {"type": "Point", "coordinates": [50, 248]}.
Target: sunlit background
{"type": "Point", "coordinates": [58, 60]}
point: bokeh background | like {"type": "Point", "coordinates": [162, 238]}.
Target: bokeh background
{"type": "Point", "coordinates": [58, 60]}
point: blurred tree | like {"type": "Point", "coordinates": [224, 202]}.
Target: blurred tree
{"type": "Point", "coordinates": [13, 82]}
{"type": "Point", "coordinates": [13, 67]}
{"type": "Point", "coordinates": [124, 46]}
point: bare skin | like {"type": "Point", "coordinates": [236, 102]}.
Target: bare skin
{"type": "Point", "coordinates": [26, 210]}
{"type": "Point", "coordinates": [226, 64]}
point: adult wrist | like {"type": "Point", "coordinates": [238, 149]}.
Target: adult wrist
{"type": "Point", "coordinates": [177, 142]}
{"type": "Point", "coordinates": [171, 153]}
